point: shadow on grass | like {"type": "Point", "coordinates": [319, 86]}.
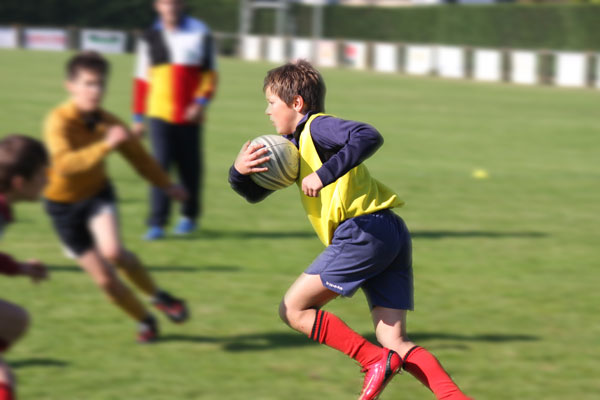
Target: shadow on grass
{"type": "Point", "coordinates": [273, 340]}
{"type": "Point", "coordinates": [162, 268]}
{"type": "Point", "coordinates": [214, 234]}
{"type": "Point", "coordinates": [475, 234]}
{"type": "Point", "coordinates": [37, 362]}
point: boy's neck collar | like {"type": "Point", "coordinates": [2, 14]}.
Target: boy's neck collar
{"type": "Point", "coordinates": [300, 125]}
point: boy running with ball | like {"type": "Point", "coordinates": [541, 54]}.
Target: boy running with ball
{"type": "Point", "coordinates": [23, 163]}
{"type": "Point", "coordinates": [368, 246]}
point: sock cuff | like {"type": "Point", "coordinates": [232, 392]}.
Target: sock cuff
{"type": "Point", "coordinates": [408, 353]}
{"type": "Point", "coordinates": [315, 333]}
{"type": "Point", "coordinates": [6, 388]}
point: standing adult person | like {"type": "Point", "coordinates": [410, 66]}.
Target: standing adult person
{"type": "Point", "coordinates": [175, 80]}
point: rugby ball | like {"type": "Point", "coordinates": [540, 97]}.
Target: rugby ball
{"type": "Point", "coordinates": [283, 166]}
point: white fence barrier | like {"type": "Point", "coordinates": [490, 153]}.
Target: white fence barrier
{"type": "Point", "coordinates": [104, 41]}
{"type": "Point", "coordinates": [385, 57]}
{"type": "Point", "coordinates": [528, 67]}
{"type": "Point", "coordinates": [487, 65]}
{"type": "Point", "coordinates": [327, 53]}
{"type": "Point", "coordinates": [597, 71]}
{"type": "Point", "coordinates": [355, 54]}
{"type": "Point", "coordinates": [450, 62]}
{"type": "Point", "coordinates": [524, 67]}
{"type": "Point", "coordinates": [251, 48]}
{"type": "Point", "coordinates": [302, 49]}
{"type": "Point", "coordinates": [419, 60]}
{"type": "Point", "coordinates": [570, 69]}
{"type": "Point", "coordinates": [276, 49]}
{"type": "Point", "coordinates": [45, 39]}
{"type": "Point", "coordinates": [8, 37]}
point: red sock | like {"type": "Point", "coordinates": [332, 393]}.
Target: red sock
{"type": "Point", "coordinates": [333, 332]}
{"type": "Point", "coordinates": [6, 392]}
{"type": "Point", "coordinates": [426, 368]}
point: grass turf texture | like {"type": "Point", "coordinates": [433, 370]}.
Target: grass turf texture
{"type": "Point", "coordinates": [506, 268]}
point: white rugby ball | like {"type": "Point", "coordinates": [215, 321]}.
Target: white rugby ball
{"type": "Point", "coordinates": [283, 166]}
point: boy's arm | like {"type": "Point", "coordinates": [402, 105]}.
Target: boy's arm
{"type": "Point", "coordinates": [33, 268]}
{"type": "Point", "coordinates": [65, 159]}
{"type": "Point", "coordinates": [345, 144]}
{"type": "Point", "coordinates": [208, 75]}
{"type": "Point", "coordinates": [141, 83]}
{"type": "Point", "coordinates": [250, 160]}
{"type": "Point", "coordinates": [145, 165]}
{"type": "Point", "coordinates": [245, 186]}
{"type": "Point", "coordinates": [8, 266]}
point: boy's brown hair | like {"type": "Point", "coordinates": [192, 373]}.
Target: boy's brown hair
{"type": "Point", "coordinates": [89, 61]}
{"type": "Point", "coordinates": [298, 79]}
{"type": "Point", "coordinates": [22, 156]}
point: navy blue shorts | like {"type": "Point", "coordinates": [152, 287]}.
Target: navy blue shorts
{"type": "Point", "coordinates": [372, 252]}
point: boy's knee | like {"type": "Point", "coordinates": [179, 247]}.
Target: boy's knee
{"type": "Point", "coordinates": [6, 375]}
{"type": "Point", "coordinates": [283, 312]}
{"type": "Point", "coordinates": [113, 254]}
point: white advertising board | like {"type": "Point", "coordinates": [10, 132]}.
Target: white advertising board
{"type": "Point", "coordinates": [302, 49]}
{"type": "Point", "coordinates": [45, 39]}
{"type": "Point", "coordinates": [570, 69]}
{"type": "Point", "coordinates": [276, 49]}
{"type": "Point", "coordinates": [524, 66]}
{"type": "Point", "coordinates": [327, 54]}
{"type": "Point", "coordinates": [104, 41]}
{"type": "Point", "coordinates": [8, 37]}
{"type": "Point", "coordinates": [488, 65]}
{"type": "Point", "coordinates": [355, 54]}
{"type": "Point", "coordinates": [418, 60]}
{"type": "Point", "coordinates": [251, 48]}
{"type": "Point", "coordinates": [450, 62]}
{"type": "Point", "coordinates": [385, 57]}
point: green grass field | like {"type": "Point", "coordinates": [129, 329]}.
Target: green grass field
{"type": "Point", "coordinates": [506, 268]}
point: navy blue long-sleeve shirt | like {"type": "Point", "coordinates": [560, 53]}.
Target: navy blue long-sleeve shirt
{"type": "Point", "coordinates": [341, 145]}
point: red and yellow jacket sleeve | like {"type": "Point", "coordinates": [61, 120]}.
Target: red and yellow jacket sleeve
{"type": "Point", "coordinates": [66, 160]}
{"type": "Point", "coordinates": [141, 81]}
{"type": "Point", "coordinates": [206, 87]}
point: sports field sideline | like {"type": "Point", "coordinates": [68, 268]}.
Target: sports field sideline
{"type": "Point", "coordinates": [506, 268]}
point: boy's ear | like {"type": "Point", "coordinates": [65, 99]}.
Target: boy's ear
{"type": "Point", "coordinates": [298, 103]}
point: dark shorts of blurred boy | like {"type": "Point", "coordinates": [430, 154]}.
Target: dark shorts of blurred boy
{"type": "Point", "coordinates": [372, 251]}
{"type": "Point", "coordinates": [179, 145]}
{"type": "Point", "coordinates": [72, 220]}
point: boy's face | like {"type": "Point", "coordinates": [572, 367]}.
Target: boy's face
{"type": "Point", "coordinates": [86, 89]}
{"type": "Point", "coordinates": [283, 116]}
{"type": "Point", "coordinates": [30, 189]}
{"type": "Point", "coordinates": [169, 10]}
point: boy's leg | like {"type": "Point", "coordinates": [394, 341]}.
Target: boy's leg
{"type": "Point", "coordinates": [106, 278]}
{"type": "Point", "coordinates": [390, 328]}
{"type": "Point", "coordinates": [300, 310]}
{"type": "Point", "coordinates": [13, 325]}
{"type": "Point", "coordinates": [106, 232]}
{"type": "Point", "coordinates": [189, 167]}
{"type": "Point", "coordinates": [6, 382]}
{"type": "Point", "coordinates": [160, 204]}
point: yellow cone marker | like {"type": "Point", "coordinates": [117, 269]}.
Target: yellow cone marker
{"type": "Point", "coordinates": [480, 173]}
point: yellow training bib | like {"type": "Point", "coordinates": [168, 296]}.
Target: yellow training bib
{"type": "Point", "coordinates": [355, 193]}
